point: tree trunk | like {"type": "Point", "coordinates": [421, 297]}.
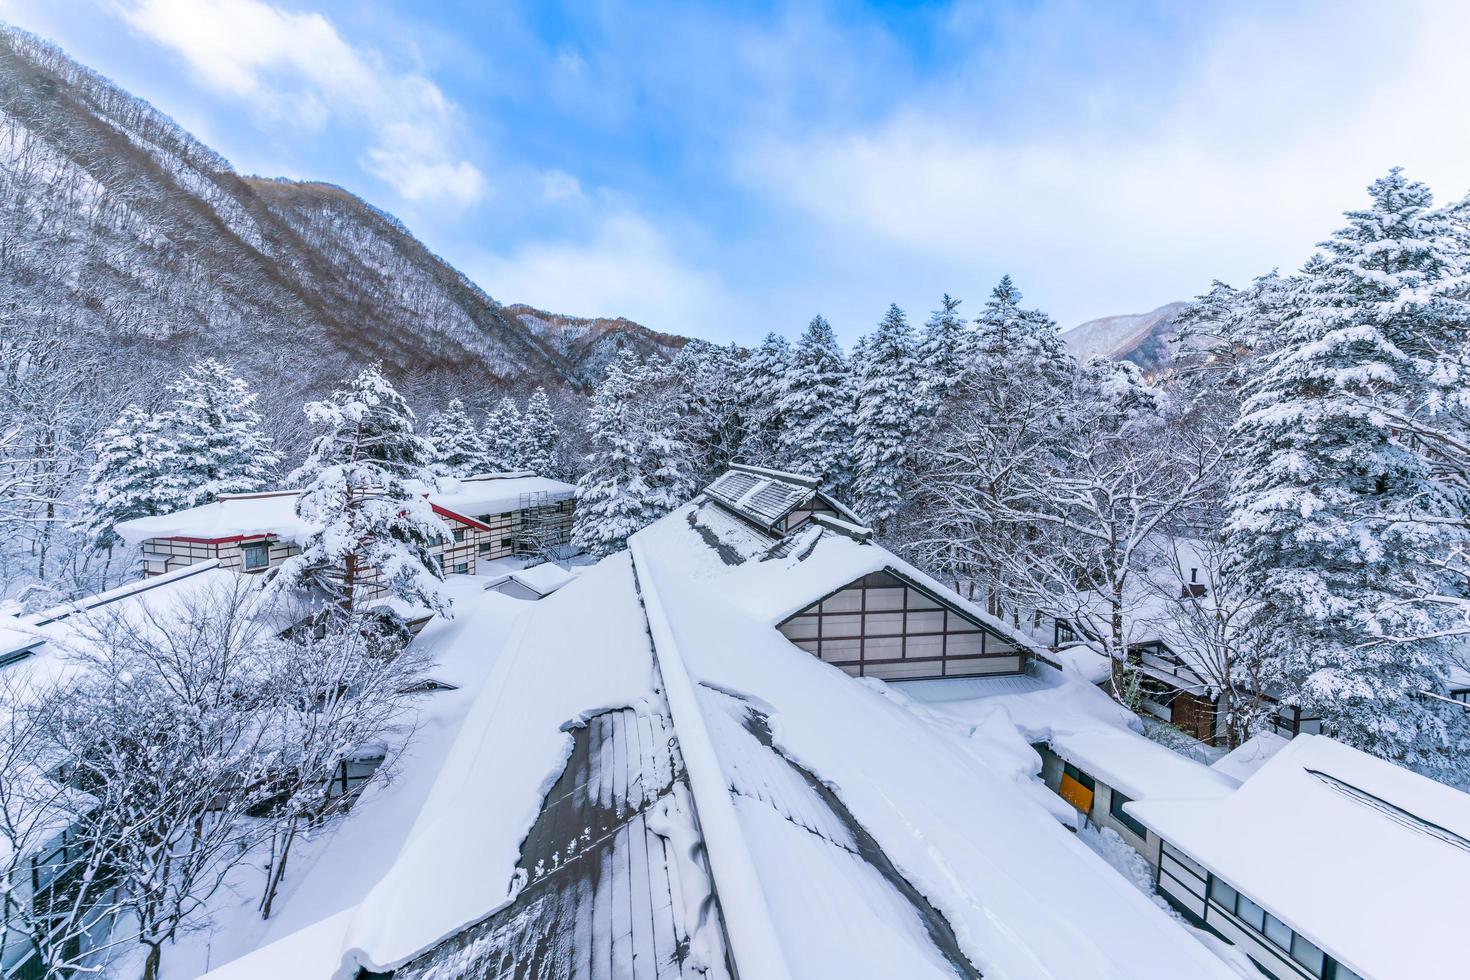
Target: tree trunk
{"type": "Point", "coordinates": [151, 964]}
{"type": "Point", "coordinates": [278, 871]}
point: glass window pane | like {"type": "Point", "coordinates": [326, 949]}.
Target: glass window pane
{"type": "Point", "coordinates": [1343, 973]}
{"type": "Point", "coordinates": [1278, 932]}
{"type": "Point", "coordinates": [1222, 893]}
{"type": "Point", "coordinates": [1253, 914]}
{"type": "Point", "coordinates": [1311, 957]}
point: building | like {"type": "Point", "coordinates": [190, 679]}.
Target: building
{"type": "Point", "coordinates": [492, 516]}
{"type": "Point", "coordinates": [656, 782]}
{"type": "Point", "coordinates": [890, 621]}
{"type": "Point", "coordinates": [1326, 864]}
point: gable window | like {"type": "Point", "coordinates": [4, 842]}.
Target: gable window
{"type": "Point", "coordinates": [257, 555]}
{"type": "Point", "coordinates": [1119, 814]}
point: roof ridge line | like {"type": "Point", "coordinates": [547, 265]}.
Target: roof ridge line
{"type": "Point", "coordinates": [751, 930]}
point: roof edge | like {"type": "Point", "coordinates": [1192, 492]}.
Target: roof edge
{"type": "Point", "coordinates": [795, 479]}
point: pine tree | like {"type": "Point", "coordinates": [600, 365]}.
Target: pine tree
{"type": "Point", "coordinates": [505, 437]}
{"type": "Point", "coordinates": [1335, 519]}
{"type": "Point", "coordinates": [1009, 336]}
{"type": "Point", "coordinates": [709, 389]}
{"type": "Point", "coordinates": [815, 405]}
{"type": "Point", "coordinates": [944, 352]}
{"type": "Point", "coordinates": [455, 443]}
{"type": "Point", "coordinates": [762, 379]}
{"type": "Point", "coordinates": [636, 473]}
{"type": "Point", "coordinates": [369, 523]}
{"type": "Point", "coordinates": [541, 441]}
{"type": "Point", "coordinates": [889, 398]}
{"type": "Point", "coordinates": [213, 435]}
{"type": "Point", "coordinates": [129, 478]}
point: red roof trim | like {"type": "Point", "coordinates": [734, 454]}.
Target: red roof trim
{"type": "Point", "coordinates": [446, 512]}
{"type": "Point", "coordinates": [230, 540]}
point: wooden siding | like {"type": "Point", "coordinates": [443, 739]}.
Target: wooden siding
{"type": "Point", "coordinates": [882, 626]}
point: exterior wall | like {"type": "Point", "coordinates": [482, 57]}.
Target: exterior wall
{"type": "Point", "coordinates": [1195, 893]}
{"type": "Point", "coordinates": [803, 513]}
{"type": "Point", "coordinates": [881, 626]}
{"type": "Point", "coordinates": [1100, 815]}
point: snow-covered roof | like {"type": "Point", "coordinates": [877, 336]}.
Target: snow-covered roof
{"type": "Point", "coordinates": [837, 827]}
{"type": "Point", "coordinates": [498, 493]}
{"type": "Point", "coordinates": [1366, 859]}
{"type": "Point", "coordinates": [957, 814]}
{"type": "Point", "coordinates": [245, 515]}
{"type": "Point", "coordinates": [253, 515]}
{"type": "Point", "coordinates": [1243, 760]}
{"type": "Point", "coordinates": [542, 579]}
{"type": "Point", "coordinates": [1082, 725]}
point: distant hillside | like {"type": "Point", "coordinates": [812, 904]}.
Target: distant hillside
{"type": "Point", "coordinates": [117, 222]}
{"type": "Point", "coordinates": [592, 342]}
{"type": "Point", "coordinates": [1142, 338]}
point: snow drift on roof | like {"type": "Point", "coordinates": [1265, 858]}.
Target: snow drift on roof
{"type": "Point", "coordinates": [1370, 887]}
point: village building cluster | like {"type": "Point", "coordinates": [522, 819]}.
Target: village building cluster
{"type": "Point", "coordinates": [647, 767]}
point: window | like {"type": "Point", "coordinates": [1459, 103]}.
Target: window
{"type": "Point", "coordinates": [1251, 913]}
{"type": "Point", "coordinates": [1343, 973]}
{"type": "Point", "coordinates": [486, 547]}
{"type": "Point", "coordinates": [1116, 809]}
{"type": "Point", "coordinates": [1087, 781]}
{"type": "Point", "coordinates": [460, 533]}
{"type": "Point", "coordinates": [1222, 893]}
{"type": "Point", "coordinates": [463, 568]}
{"type": "Point", "coordinates": [1311, 957]}
{"type": "Point", "coordinates": [1277, 931]}
{"type": "Point", "coordinates": [257, 556]}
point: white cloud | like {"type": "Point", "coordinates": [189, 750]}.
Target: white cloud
{"type": "Point", "coordinates": [1246, 157]}
{"type": "Point", "coordinates": [623, 266]}
{"type": "Point", "coordinates": [297, 67]}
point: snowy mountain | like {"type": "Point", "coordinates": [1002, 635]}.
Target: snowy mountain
{"type": "Point", "coordinates": [592, 342]}
{"type": "Point", "coordinates": [121, 224]}
{"type": "Point", "coordinates": [1142, 338]}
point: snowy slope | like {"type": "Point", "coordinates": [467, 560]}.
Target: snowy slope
{"type": "Point", "coordinates": [130, 229]}
{"type": "Point", "coordinates": [1138, 337]}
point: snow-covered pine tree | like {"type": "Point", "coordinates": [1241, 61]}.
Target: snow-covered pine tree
{"type": "Point", "coordinates": [213, 435]}
{"type": "Point", "coordinates": [636, 472]}
{"type": "Point", "coordinates": [815, 405]}
{"type": "Point", "coordinates": [129, 477]}
{"type": "Point", "coordinates": [1336, 520]}
{"type": "Point", "coordinates": [890, 393]}
{"type": "Point", "coordinates": [762, 376]}
{"type": "Point", "coordinates": [1009, 336]}
{"type": "Point", "coordinates": [709, 389]}
{"type": "Point", "coordinates": [505, 436]}
{"type": "Point", "coordinates": [457, 447]}
{"type": "Point", "coordinates": [943, 352]}
{"type": "Point", "coordinates": [369, 525]}
{"type": "Point", "coordinates": [541, 439]}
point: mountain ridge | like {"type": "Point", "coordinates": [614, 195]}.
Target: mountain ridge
{"type": "Point", "coordinates": [117, 222]}
{"type": "Point", "coordinates": [1143, 338]}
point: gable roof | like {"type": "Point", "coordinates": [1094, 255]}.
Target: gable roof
{"type": "Point", "coordinates": [1293, 838]}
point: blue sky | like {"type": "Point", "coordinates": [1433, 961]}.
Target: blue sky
{"type": "Point", "coordinates": [726, 170]}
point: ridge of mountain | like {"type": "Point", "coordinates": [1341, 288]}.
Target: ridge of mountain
{"type": "Point", "coordinates": [1143, 338]}
{"type": "Point", "coordinates": [118, 223]}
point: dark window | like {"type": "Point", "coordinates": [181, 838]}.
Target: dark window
{"type": "Point", "coordinates": [507, 542]}
{"type": "Point", "coordinates": [1088, 783]}
{"type": "Point", "coordinates": [460, 533]}
{"type": "Point", "coordinates": [462, 569]}
{"type": "Point", "coordinates": [1312, 958]}
{"type": "Point", "coordinates": [486, 547]}
{"type": "Point", "coordinates": [1119, 814]}
{"type": "Point", "coordinates": [257, 556]}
